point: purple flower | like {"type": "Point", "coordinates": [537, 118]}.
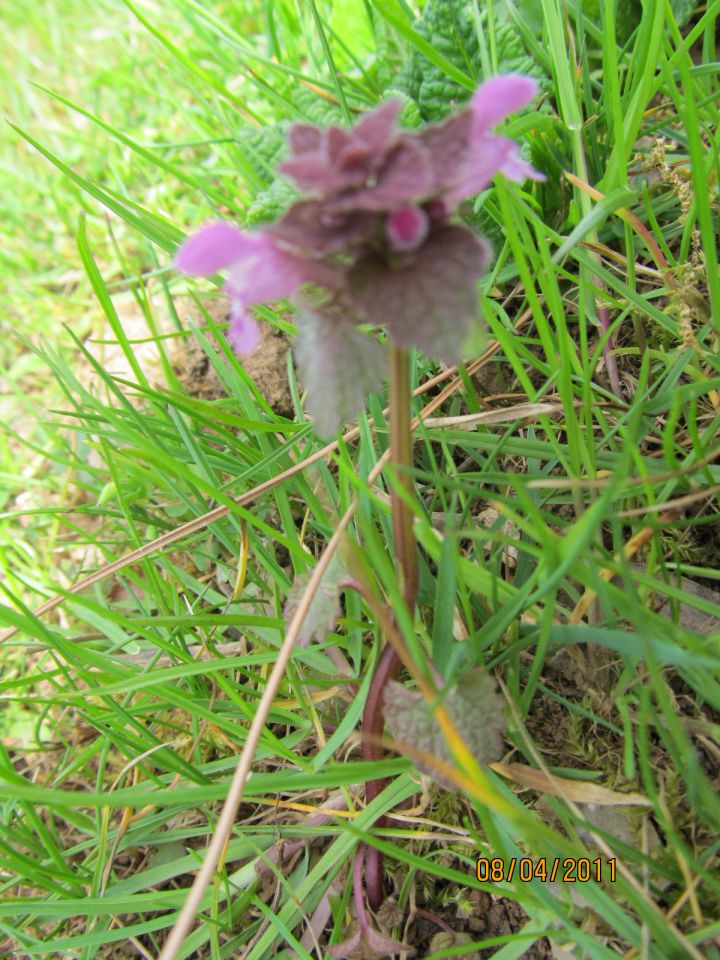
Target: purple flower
{"type": "Point", "coordinates": [258, 272]}
{"type": "Point", "coordinates": [373, 232]}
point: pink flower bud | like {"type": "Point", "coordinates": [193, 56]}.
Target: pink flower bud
{"type": "Point", "coordinates": [406, 229]}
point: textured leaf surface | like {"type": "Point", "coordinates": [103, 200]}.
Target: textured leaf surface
{"type": "Point", "coordinates": [270, 204]}
{"type": "Point", "coordinates": [338, 366]}
{"type": "Point", "coordinates": [474, 707]}
{"type": "Point", "coordinates": [324, 610]}
{"type": "Point", "coordinates": [315, 109]}
{"type": "Point", "coordinates": [428, 298]}
{"type": "Point", "coordinates": [410, 114]}
{"type": "Point", "coordinates": [450, 27]}
{"type": "Point", "coordinates": [263, 149]}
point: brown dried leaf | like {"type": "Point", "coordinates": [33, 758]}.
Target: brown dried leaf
{"type": "Point", "coordinates": [579, 791]}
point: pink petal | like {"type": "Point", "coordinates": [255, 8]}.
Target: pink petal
{"type": "Point", "coordinates": [264, 275]}
{"type": "Point", "coordinates": [270, 273]}
{"type": "Point", "coordinates": [515, 168]}
{"type": "Point", "coordinates": [489, 154]}
{"type": "Point", "coordinates": [244, 333]}
{"type": "Point", "coordinates": [407, 228]}
{"type": "Point", "coordinates": [500, 96]}
{"type": "Point", "coordinates": [213, 248]}
{"type": "Point", "coordinates": [486, 156]}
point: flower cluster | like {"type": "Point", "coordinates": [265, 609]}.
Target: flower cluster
{"type": "Point", "coordinates": [373, 235]}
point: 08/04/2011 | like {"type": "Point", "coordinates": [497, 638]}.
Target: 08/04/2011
{"type": "Point", "coordinates": [525, 869]}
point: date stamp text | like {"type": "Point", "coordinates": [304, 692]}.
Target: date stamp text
{"type": "Point", "coordinates": [546, 869]}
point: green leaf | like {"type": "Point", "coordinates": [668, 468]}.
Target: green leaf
{"type": "Point", "coordinates": [315, 109]}
{"type": "Point", "coordinates": [475, 709]}
{"type": "Point", "coordinates": [438, 40]}
{"type": "Point", "coordinates": [446, 67]}
{"type": "Point", "coordinates": [263, 148]}
{"type": "Point", "coordinates": [149, 224]}
{"type": "Point", "coordinates": [683, 10]}
{"type": "Point", "coordinates": [622, 197]}
{"type": "Point", "coordinates": [270, 204]}
{"type": "Point", "coordinates": [627, 16]}
{"type": "Point", "coordinates": [442, 637]}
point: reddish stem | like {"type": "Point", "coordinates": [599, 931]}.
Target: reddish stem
{"type": "Point", "coordinates": [372, 725]}
{"type": "Point", "coordinates": [406, 558]}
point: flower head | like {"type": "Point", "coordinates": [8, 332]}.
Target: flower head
{"type": "Point", "coordinates": [374, 232]}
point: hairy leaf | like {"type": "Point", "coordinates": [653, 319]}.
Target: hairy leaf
{"type": "Point", "coordinates": [474, 707]}
{"type": "Point", "coordinates": [263, 150]}
{"type": "Point", "coordinates": [271, 203]}
{"type": "Point", "coordinates": [427, 299]}
{"type": "Point", "coordinates": [451, 28]}
{"type": "Point", "coordinates": [315, 109]}
{"type": "Point", "coordinates": [338, 366]}
{"type": "Point", "coordinates": [324, 610]}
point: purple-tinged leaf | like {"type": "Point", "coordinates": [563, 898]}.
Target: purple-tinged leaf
{"type": "Point", "coordinates": [447, 145]}
{"type": "Point", "coordinates": [338, 141]}
{"type": "Point", "coordinates": [304, 138]}
{"type": "Point", "coordinates": [341, 159]}
{"type": "Point", "coordinates": [369, 944]}
{"type": "Point", "coordinates": [377, 127]}
{"type": "Point", "coordinates": [309, 226]}
{"type": "Point", "coordinates": [311, 172]}
{"type": "Point", "coordinates": [337, 364]}
{"type": "Point", "coordinates": [426, 298]}
{"type": "Point", "coordinates": [373, 230]}
{"type": "Point", "coordinates": [406, 175]}
{"type": "Point", "coordinates": [474, 707]}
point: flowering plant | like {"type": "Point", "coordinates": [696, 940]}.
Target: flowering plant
{"type": "Point", "coordinates": [372, 243]}
{"type": "Point", "coordinates": [374, 239]}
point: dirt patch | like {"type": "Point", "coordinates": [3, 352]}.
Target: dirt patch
{"type": "Point", "coordinates": [267, 366]}
{"type": "Point", "coordinates": [482, 917]}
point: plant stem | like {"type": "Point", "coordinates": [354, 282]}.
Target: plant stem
{"type": "Point", "coordinates": [401, 456]}
{"type": "Point", "coordinates": [406, 559]}
{"type": "Point", "coordinates": [372, 727]}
